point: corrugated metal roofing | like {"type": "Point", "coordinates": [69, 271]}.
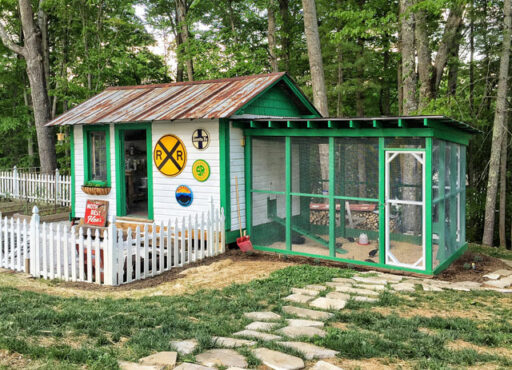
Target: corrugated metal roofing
{"type": "Point", "coordinates": [182, 100]}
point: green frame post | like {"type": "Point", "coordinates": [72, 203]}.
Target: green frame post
{"type": "Point", "coordinates": [119, 130]}
{"type": "Point", "coordinates": [72, 168]}
{"type": "Point", "coordinates": [248, 184]}
{"type": "Point", "coordinates": [288, 169]}
{"type": "Point", "coordinates": [382, 202]}
{"type": "Point", "coordinates": [428, 205]}
{"type": "Point", "coordinates": [225, 172]}
{"type": "Point", "coordinates": [332, 201]}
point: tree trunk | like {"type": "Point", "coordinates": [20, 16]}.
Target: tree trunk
{"type": "Point", "coordinates": [35, 71]}
{"type": "Point", "coordinates": [472, 59]}
{"type": "Point", "coordinates": [284, 11]}
{"type": "Point", "coordinates": [42, 20]}
{"type": "Point", "coordinates": [453, 70]}
{"type": "Point", "coordinates": [181, 11]}
{"type": "Point", "coordinates": [424, 60]}
{"type": "Point", "coordinates": [410, 103]}
{"type": "Point", "coordinates": [315, 57]}
{"type": "Point", "coordinates": [272, 36]}
{"type": "Point", "coordinates": [503, 190]}
{"type": "Point", "coordinates": [500, 119]}
{"type": "Point", "coordinates": [30, 141]}
{"type": "Point", "coordinates": [339, 104]}
{"type": "Point", "coordinates": [448, 43]}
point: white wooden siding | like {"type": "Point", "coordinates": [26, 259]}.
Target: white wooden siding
{"type": "Point", "coordinates": [237, 168]}
{"type": "Point", "coordinates": [165, 205]}
{"type": "Point", "coordinates": [78, 158]}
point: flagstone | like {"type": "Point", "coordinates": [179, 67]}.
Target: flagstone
{"type": "Point", "coordinates": [301, 331]}
{"type": "Point", "coordinates": [232, 342]}
{"type": "Point", "coordinates": [307, 313]}
{"type": "Point", "coordinates": [303, 322]}
{"type": "Point", "coordinates": [221, 357]}
{"type": "Point", "coordinates": [310, 351]}
{"type": "Point", "coordinates": [328, 303]}
{"type": "Point", "coordinates": [324, 365]}
{"type": "Point", "coordinates": [184, 347]}
{"type": "Point", "coordinates": [278, 360]}
{"type": "Point", "coordinates": [298, 298]}
{"type": "Point", "coordinates": [262, 316]}
{"type": "Point", "coordinates": [261, 326]}
{"type": "Point", "coordinates": [311, 292]}
{"type": "Point", "coordinates": [257, 335]}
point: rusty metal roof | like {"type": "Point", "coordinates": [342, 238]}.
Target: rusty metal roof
{"type": "Point", "coordinates": [167, 102]}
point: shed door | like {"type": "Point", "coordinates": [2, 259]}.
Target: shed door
{"type": "Point", "coordinates": [405, 208]}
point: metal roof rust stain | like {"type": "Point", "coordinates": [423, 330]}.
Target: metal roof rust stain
{"type": "Point", "coordinates": [183, 100]}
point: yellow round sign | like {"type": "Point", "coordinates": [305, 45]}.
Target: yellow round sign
{"type": "Point", "coordinates": [201, 170]}
{"type": "Point", "coordinates": [170, 155]}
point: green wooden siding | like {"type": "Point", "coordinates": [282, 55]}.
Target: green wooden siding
{"type": "Point", "coordinates": [275, 102]}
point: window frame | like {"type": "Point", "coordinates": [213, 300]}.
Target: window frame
{"type": "Point", "coordinates": [87, 154]}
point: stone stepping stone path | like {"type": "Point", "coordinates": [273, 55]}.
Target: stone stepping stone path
{"type": "Point", "coordinates": [365, 299]}
{"type": "Point", "coordinates": [232, 342]}
{"type": "Point", "coordinates": [324, 365]}
{"type": "Point", "coordinates": [303, 322]}
{"type": "Point", "coordinates": [298, 298]}
{"type": "Point", "coordinates": [184, 347]}
{"type": "Point", "coordinates": [310, 351]}
{"type": "Point", "coordinates": [257, 335]}
{"type": "Point", "coordinates": [262, 316]}
{"type": "Point", "coordinates": [370, 280]}
{"type": "Point", "coordinates": [311, 292]}
{"type": "Point", "coordinates": [189, 366]}
{"type": "Point", "coordinates": [301, 331]}
{"type": "Point", "coordinates": [307, 313]}
{"type": "Point", "coordinates": [358, 291]}
{"type": "Point", "coordinates": [328, 303]}
{"type": "Point", "coordinates": [222, 357]}
{"type": "Point", "coordinates": [163, 360]}
{"type": "Point", "coordinates": [278, 360]}
{"type": "Point", "coordinates": [261, 325]}
{"type": "Point", "coordinates": [125, 365]}
{"type": "Point", "coordinates": [318, 288]}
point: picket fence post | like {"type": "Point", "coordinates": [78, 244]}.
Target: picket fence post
{"type": "Point", "coordinates": [15, 185]}
{"type": "Point", "coordinates": [111, 253]}
{"type": "Point", "coordinates": [34, 240]}
{"type": "Point", "coordinates": [57, 178]}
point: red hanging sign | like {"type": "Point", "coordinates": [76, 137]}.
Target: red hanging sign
{"type": "Point", "coordinates": [96, 212]}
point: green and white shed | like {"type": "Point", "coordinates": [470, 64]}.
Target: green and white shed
{"type": "Point", "coordinates": [386, 192]}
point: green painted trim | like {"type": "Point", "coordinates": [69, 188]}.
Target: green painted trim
{"type": "Point", "coordinates": [405, 149]}
{"type": "Point", "coordinates": [343, 132]}
{"type": "Point", "coordinates": [343, 260]}
{"type": "Point", "coordinates": [86, 152]}
{"type": "Point", "coordinates": [225, 172]}
{"type": "Point", "coordinates": [382, 202]}
{"type": "Point", "coordinates": [441, 209]}
{"type": "Point", "coordinates": [332, 201]}
{"type": "Point", "coordinates": [443, 266]}
{"type": "Point", "coordinates": [120, 165]}
{"type": "Point", "coordinates": [288, 169]}
{"type": "Point", "coordinates": [356, 198]}
{"type": "Point", "coordinates": [72, 168]}
{"type": "Point", "coordinates": [248, 184]}
{"type": "Point", "coordinates": [309, 195]}
{"type": "Point", "coordinates": [428, 205]}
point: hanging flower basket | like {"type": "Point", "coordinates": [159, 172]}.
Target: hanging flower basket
{"type": "Point", "coordinates": [96, 190]}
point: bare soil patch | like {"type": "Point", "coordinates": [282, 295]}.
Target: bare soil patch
{"type": "Point", "coordinates": [408, 312]}
{"type": "Point", "coordinates": [461, 344]}
{"type": "Point", "coordinates": [483, 265]}
{"type": "Point", "coordinates": [212, 273]}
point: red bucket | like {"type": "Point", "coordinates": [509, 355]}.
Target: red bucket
{"type": "Point", "coordinates": [244, 243]}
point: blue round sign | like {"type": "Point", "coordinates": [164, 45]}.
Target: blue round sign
{"type": "Point", "coordinates": [184, 195]}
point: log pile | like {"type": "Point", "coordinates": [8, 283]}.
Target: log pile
{"type": "Point", "coordinates": [362, 220]}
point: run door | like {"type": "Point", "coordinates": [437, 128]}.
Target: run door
{"type": "Point", "coordinates": [405, 208]}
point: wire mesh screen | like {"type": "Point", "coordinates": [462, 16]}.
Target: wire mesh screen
{"type": "Point", "coordinates": [404, 142]}
{"type": "Point", "coordinates": [357, 167]}
{"type": "Point", "coordinates": [310, 165]}
{"type": "Point", "coordinates": [269, 220]}
{"type": "Point", "coordinates": [448, 197]}
{"type": "Point", "coordinates": [268, 164]}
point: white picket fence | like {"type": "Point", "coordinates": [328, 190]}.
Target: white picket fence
{"type": "Point", "coordinates": [57, 251]}
{"type": "Point", "coordinates": [36, 187]}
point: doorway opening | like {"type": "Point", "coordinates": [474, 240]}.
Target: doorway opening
{"type": "Point", "coordinates": [136, 173]}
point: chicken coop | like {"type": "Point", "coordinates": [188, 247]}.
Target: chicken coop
{"type": "Point", "coordinates": [387, 192]}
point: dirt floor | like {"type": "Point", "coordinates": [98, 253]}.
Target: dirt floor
{"type": "Point", "coordinates": [458, 271]}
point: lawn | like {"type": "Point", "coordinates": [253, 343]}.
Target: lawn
{"type": "Point", "coordinates": [414, 330]}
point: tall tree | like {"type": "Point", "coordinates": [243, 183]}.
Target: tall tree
{"type": "Point", "coordinates": [181, 12]}
{"type": "Point", "coordinates": [499, 127]}
{"type": "Point", "coordinates": [408, 71]}
{"type": "Point", "coordinates": [315, 57]}
{"type": "Point", "coordinates": [272, 36]}
{"type": "Point", "coordinates": [33, 54]}
{"type": "Point", "coordinates": [503, 191]}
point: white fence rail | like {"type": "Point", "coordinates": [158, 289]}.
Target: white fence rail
{"type": "Point", "coordinates": [36, 187]}
{"type": "Point", "coordinates": [109, 256]}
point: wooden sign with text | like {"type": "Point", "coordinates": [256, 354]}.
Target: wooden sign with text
{"type": "Point", "coordinates": [96, 213]}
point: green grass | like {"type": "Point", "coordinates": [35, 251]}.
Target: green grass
{"type": "Point", "coordinates": [61, 332]}
{"type": "Point", "coordinates": [491, 251]}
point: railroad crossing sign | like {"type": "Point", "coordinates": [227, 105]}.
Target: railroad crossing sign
{"type": "Point", "coordinates": [201, 139]}
{"type": "Point", "coordinates": [170, 155]}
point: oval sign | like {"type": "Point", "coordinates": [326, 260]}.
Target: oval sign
{"type": "Point", "coordinates": [201, 170]}
{"type": "Point", "coordinates": [201, 139]}
{"type": "Point", "coordinates": [170, 155]}
{"type": "Point", "coordinates": [184, 195]}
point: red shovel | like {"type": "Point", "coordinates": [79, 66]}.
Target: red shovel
{"type": "Point", "coordinates": [244, 241]}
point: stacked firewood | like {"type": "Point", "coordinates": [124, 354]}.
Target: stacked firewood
{"type": "Point", "coordinates": [361, 220]}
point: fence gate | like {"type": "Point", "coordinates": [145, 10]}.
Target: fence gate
{"type": "Point", "coordinates": [405, 208]}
